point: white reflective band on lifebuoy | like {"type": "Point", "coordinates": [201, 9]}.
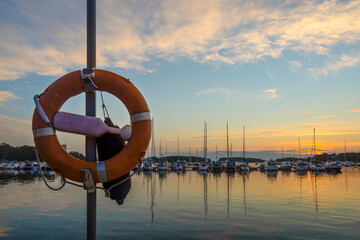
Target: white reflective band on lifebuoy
{"type": "Point", "coordinates": [101, 171]}
{"type": "Point", "coordinates": [43, 132]}
{"type": "Point", "coordinates": [137, 117]}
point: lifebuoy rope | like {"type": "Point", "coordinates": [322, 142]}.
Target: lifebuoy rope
{"type": "Point", "coordinates": [64, 180]}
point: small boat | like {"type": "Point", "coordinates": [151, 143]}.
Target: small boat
{"type": "Point", "coordinates": [203, 166]}
{"type": "Point", "coordinates": [178, 166]}
{"type": "Point", "coordinates": [189, 166]}
{"type": "Point", "coordinates": [243, 166]}
{"type": "Point", "coordinates": [230, 166]}
{"type": "Point", "coordinates": [347, 164]}
{"type": "Point", "coordinates": [162, 166]}
{"type": "Point", "coordinates": [12, 166]}
{"type": "Point", "coordinates": [271, 165]}
{"type": "Point", "coordinates": [28, 165]}
{"type": "Point", "coordinates": [300, 166]}
{"type": "Point", "coordinates": [147, 166]}
{"type": "Point", "coordinates": [285, 166]}
{"type": "Point", "coordinates": [216, 166]}
{"type": "Point", "coordinates": [21, 165]}
{"type": "Point", "coordinates": [333, 166]}
{"type": "Point", "coordinates": [35, 166]}
{"type": "Point", "coordinates": [316, 166]}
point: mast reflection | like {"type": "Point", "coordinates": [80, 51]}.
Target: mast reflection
{"type": "Point", "coordinates": [230, 175]}
{"type": "Point", "coordinates": [205, 194]}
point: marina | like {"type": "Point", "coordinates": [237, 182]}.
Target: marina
{"type": "Point", "coordinates": [82, 83]}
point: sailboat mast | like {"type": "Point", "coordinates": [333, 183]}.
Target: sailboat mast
{"type": "Point", "coordinates": [243, 143]}
{"type": "Point", "coordinates": [299, 147]}
{"type": "Point", "coordinates": [345, 157]}
{"type": "Point", "coordinates": [227, 140]}
{"type": "Point", "coordinates": [314, 145]}
{"type": "Point", "coordinates": [153, 150]}
{"type": "Point", "coordinates": [190, 153]}
{"type": "Point", "coordinates": [160, 150]}
{"type": "Point", "coordinates": [216, 157]}
{"type": "Point", "coordinates": [178, 148]}
{"type": "Point", "coordinates": [205, 141]}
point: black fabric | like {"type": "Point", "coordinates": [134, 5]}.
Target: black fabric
{"type": "Point", "coordinates": [109, 145]}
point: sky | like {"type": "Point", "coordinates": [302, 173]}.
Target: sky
{"type": "Point", "coordinates": [279, 68]}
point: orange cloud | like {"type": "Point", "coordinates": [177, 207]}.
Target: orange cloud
{"type": "Point", "coordinates": [354, 110]}
{"type": "Point", "coordinates": [324, 116]}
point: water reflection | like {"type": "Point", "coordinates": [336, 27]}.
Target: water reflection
{"type": "Point", "coordinates": [23, 176]}
{"type": "Point", "coordinates": [244, 185]}
{"type": "Point", "coordinates": [272, 175]}
{"type": "Point", "coordinates": [218, 201]}
{"type": "Point", "coordinates": [230, 175]}
{"type": "Point", "coordinates": [314, 176]}
{"type": "Point", "coordinates": [205, 195]}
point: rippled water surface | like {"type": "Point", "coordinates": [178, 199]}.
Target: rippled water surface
{"type": "Point", "coordinates": [189, 205]}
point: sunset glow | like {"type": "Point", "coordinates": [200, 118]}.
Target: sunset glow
{"type": "Point", "coordinates": [280, 69]}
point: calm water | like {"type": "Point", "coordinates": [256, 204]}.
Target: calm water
{"type": "Point", "coordinates": [189, 206]}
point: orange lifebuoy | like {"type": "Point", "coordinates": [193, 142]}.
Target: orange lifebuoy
{"type": "Point", "coordinates": [70, 85]}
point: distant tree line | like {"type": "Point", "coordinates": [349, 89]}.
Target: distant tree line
{"type": "Point", "coordinates": [350, 156]}
{"type": "Point", "coordinates": [25, 153]}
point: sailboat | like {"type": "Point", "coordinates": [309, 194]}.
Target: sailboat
{"type": "Point", "coordinates": [285, 165]}
{"type": "Point", "coordinates": [178, 165]}
{"type": "Point", "coordinates": [217, 165]}
{"type": "Point", "coordinates": [300, 165]}
{"type": "Point", "coordinates": [315, 165]}
{"type": "Point", "coordinates": [244, 167]}
{"type": "Point", "coordinates": [148, 163]}
{"type": "Point", "coordinates": [230, 165]}
{"type": "Point", "coordinates": [346, 163]}
{"type": "Point", "coordinates": [189, 165]}
{"type": "Point", "coordinates": [162, 164]}
{"type": "Point", "coordinates": [203, 166]}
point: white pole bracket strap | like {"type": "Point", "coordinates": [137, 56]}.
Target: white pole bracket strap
{"type": "Point", "coordinates": [41, 111]}
{"type": "Point", "coordinates": [87, 75]}
{"type": "Point", "coordinates": [43, 132]}
{"type": "Point", "coordinates": [101, 171]}
{"type": "Point", "coordinates": [137, 117]}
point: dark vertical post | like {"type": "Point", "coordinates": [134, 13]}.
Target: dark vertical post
{"type": "Point", "coordinates": [90, 145]}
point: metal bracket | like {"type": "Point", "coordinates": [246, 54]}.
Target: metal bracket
{"type": "Point", "coordinates": [87, 75]}
{"type": "Point", "coordinates": [88, 179]}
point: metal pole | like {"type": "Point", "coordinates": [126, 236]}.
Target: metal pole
{"type": "Point", "coordinates": [91, 111]}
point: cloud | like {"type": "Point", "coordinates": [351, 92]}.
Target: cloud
{"type": "Point", "coordinates": [10, 125]}
{"type": "Point", "coordinates": [354, 110]}
{"type": "Point", "coordinates": [344, 62]}
{"type": "Point", "coordinates": [5, 96]}
{"type": "Point", "coordinates": [324, 116]}
{"type": "Point", "coordinates": [269, 94]}
{"type": "Point", "coordinates": [308, 112]}
{"type": "Point", "coordinates": [215, 32]}
{"type": "Point", "coordinates": [216, 90]}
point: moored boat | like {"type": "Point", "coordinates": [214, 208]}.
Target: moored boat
{"type": "Point", "coordinates": [270, 165]}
